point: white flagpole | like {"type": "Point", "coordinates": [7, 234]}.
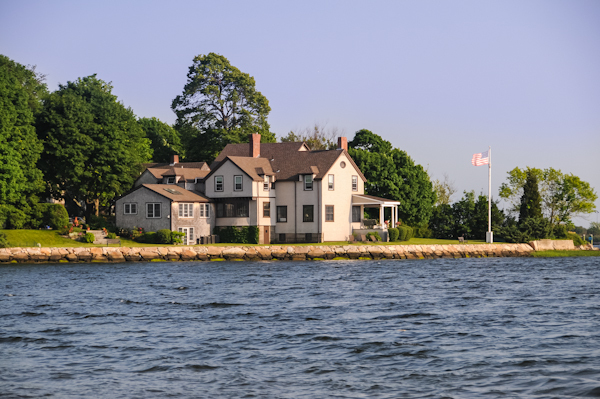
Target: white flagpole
{"type": "Point", "coordinates": [489, 236]}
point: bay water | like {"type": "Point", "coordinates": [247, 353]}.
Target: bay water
{"type": "Point", "coordinates": [444, 328]}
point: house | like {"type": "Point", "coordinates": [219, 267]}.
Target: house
{"type": "Point", "coordinates": [164, 206]}
{"type": "Point", "coordinates": [291, 193]}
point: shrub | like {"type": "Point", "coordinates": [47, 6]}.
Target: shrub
{"type": "Point", "coordinates": [253, 235]}
{"type": "Point", "coordinates": [177, 237]}
{"type": "Point", "coordinates": [577, 240]}
{"type": "Point", "coordinates": [560, 231]}
{"type": "Point", "coordinates": [4, 241]}
{"type": "Point", "coordinates": [147, 237]}
{"type": "Point", "coordinates": [238, 235]}
{"type": "Point", "coordinates": [394, 233]}
{"type": "Point", "coordinates": [406, 233]}
{"type": "Point", "coordinates": [163, 236]}
{"type": "Point", "coordinates": [373, 234]}
{"type": "Point", "coordinates": [423, 232]}
{"type": "Point", "coordinates": [89, 238]}
{"type": "Point", "coordinates": [56, 216]}
{"type": "Point", "coordinates": [112, 236]}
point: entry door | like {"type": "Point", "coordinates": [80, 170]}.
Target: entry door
{"type": "Point", "coordinates": [267, 237]}
{"type": "Point", "coordinates": [188, 239]}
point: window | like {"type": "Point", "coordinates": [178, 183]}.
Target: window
{"type": "Point", "coordinates": [130, 209]}
{"type": "Point", "coordinates": [266, 209]}
{"type": "Point", "coordinates": [237, 183]}
{"type": "Point", "coordinates": [281, 237]}
{"type": "Point", "coordinates": [233, 209]}
{"type": "Point", "coordinates": [308, 212]}
{"type": "Point", "coordinates": [266, 183]}
{"type": "Point", "coordinates": [171, 180]}
{"type": "Point", "coordinates": [204, 210]}
{"type": "Point", "coordinates": [354, 183]}
{"type": "Point", "coordinates": [282, 214]}
{"type": "Point", "coordinates": [330, 182]}
{"type": "Point", "coordinates": [186, 210]}
{"type": "Point", "coordinates": [308, 182]}
{"type": "Point", "coordinates": [153, 210]}
{"type": "Point", "coordinates": [218, 183]}
{"type": "Point", "coordinates": [329, 213]}
{"type": "Point", "coordinates": [189, 235]}
{"type": "Point", "coordinates": [356, 214]}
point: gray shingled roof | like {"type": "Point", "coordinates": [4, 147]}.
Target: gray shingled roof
{"type": "Point", "coordinates": [175, 193]}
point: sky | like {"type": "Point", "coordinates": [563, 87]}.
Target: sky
{"type": "Point", "coordinates": [441, 80]}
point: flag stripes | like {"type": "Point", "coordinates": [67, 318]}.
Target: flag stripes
{"type": "Point", "coordinates": [482, 158]}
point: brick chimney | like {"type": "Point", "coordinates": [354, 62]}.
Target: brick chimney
{"type": "Point", "coordinates": [254, 145]}
{"type": "Point", "coordinates": [174, 159]}
{"type": "Point", "coordinates": [342, 143]}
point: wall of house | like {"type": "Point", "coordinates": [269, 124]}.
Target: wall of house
{"type": "Point", "coordinates": [295, 200]}
{"type": "Point", "coordinates": [341, 199]}
{"type": "Point", "coordinates": [141, 197]}
{"type": "Point", "coordinates": [202, 225]}
{"type": "Point", "coordinates": [228, 171]}
{"type": "Point", "coordinates": [146, 178]}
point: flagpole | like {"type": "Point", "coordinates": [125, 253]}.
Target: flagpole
{"type": "Point", "coordinates": [489, 236]}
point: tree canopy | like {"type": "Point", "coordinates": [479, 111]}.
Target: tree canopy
{"type": "Point", "coordinates": [164, 139]}
{"type": "Point", "coordinates": [21, 89]}
{"type": "Point", "coordinates": [563, 195]}
{"type": "Point", "coordinates": [93, 145]}
{"type": "Point", "coordinates": [531, 201]}
{"type": "Point", "coordinates": [219, 105]}
{"type": "Point", "coordinates": [391, 173]}
{"type": "Point", "coordinates": [317, 137]}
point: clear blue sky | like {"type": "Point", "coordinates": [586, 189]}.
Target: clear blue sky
{"type": "Point", "coordinates": [439, 79]}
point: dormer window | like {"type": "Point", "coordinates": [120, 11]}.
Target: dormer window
{"type": "Point", "coordinates": [266, 183]}
{"type": "Point", "coordinates": [171, 180]}
{"type": "Point", "coordinates": [308, 182]}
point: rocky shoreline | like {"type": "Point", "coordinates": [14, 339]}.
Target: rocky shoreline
{"type": "Point", "coordinates": [272, 252]}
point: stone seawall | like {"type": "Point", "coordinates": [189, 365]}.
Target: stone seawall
{"type": "Point", "coordinates": [316, 252]}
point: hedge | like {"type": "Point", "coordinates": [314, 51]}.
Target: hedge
{"type": "Point", "coordinates": [238, 235]}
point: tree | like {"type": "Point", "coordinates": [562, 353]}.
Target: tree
{"type": "Point", "coordinates": [164, 139]}
{"type": "Point", "coordinates": [317, 137]}
{"type": "Point", "coordinates": [444, 190]}
{"type": "Point", "coordinates": [563, 196]}
{"type": "Point", "coordinates": [219, 105]}
{"type": "Point", "coordinates": [93, 145]}
{"type": "Point", "coordinates": [21, 89]}
{"type": "Point", "coordinates": [531, 201]}
{"type": "Point", "coordinates": [391, 173]}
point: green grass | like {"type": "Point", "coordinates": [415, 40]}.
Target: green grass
{"type": "Point", "coordinates": [558, 253]}
{"type": "Point", "coordinates": [46, 238]}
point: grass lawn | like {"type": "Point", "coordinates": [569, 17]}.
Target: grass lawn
{"type": "Point", "coordinates": [557, 253]}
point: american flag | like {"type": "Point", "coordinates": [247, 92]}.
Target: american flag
{"type": "Point", "coordinates": [482, 158]}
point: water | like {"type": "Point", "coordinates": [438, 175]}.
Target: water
{"type": "Point", "coordinates": [446, 328]}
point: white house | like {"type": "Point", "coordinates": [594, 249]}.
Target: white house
{"type": "Point", "coordinates": [291, 193]}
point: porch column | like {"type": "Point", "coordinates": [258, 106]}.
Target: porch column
{"type": "Point", "coordinates": [381, 221]}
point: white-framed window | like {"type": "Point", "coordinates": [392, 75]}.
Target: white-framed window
{"type": "Point", "coordinates": [186, 210]}
{"type": "Point", "coordinates": [188, 238]}
{"type": "Point", "coordinates": [237, 183]}
{"type": "Point", "coordinates": [266, 183]}
{"type": "Point", "coordinates": [204, 210]}
{"type": "Point", "coordinates": [329, 213]}
{"type": "Point", "coordinates": [354, 183]}
{"type": "Point", "coordinates": [130, 208]}
{"type": "Point", "coordinates": [171, 180]}
{"type": "Point", "coordinates": [218, 183]}
{"type": "Point", "coordinates": [308, 182]}
{"type": "Point", "coordinates": [153, 210]}
{"type": "Point", "coordinates": [330, 184]}
{"type": "Point", "coordinates": [266, 209]}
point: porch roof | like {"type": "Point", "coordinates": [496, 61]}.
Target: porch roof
{"type": "Point", "coordinates": [370, 200]}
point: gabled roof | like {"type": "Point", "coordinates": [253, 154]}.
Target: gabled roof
{"type": "Point", "coordinates": [175, 193]}
{"type": "Point", "coordinates": [255, 168]}
{"type": "Point", "coordinates": [286, 160]}
{"type": "Point", "coordinates": [179, 165]}
{"type": "Point", "coordinates": [188, 174]}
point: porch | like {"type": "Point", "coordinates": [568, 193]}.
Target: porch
{"type": "Point", "coordinates": [375, 225]}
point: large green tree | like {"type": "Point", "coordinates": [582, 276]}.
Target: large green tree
{"type": "Point", "coordinates": [164, 139]}
{"type": "Point", "coordinates": [564, 196]}
{"type": "Point", "coordinates": [93, 145]}
{"type": "Point", "coordinates": [21, 89]}
{"type": "Point", "coordinates": [531, 200]}
{"type": "Point", "coordinates": [318, 137]}
{"type": "Point", "coordinates": [219, 105]}
{"type": "Point", "coordinates": [392, 174]}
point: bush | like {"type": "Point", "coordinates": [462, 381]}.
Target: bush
{"type": "Point", "coordinates": [238, 235]}
{"type": "Point", "coordinates": [577, 240]}
{"type": "Point", "coordinates": [394, 233]}
{"type": "Point", "coordinates": [373, 234]}
{"type": "Point", "coordinates": [560, 231]}
{"type": "Point", "coordinates": [112, 236]}
{"type": "Point", "coordinates": [4, 241]}
{"type": "Point", "coordinates": [406, 233]}
{"type": "Point", "coordinates": [89, 238]}
{"type": "Point", "coordinates": [55, 216]}
{"type": "Point", "coordinates": [423, 232]}
{"type": "Point", "coordinates": [147, 237]}
{"type": "Point", "coordinates": [177, 237]}
{"type": "Point", "coordinates": [163, 236]}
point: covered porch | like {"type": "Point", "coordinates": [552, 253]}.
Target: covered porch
{"type": "Point", "coordinates": [368, 225]}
